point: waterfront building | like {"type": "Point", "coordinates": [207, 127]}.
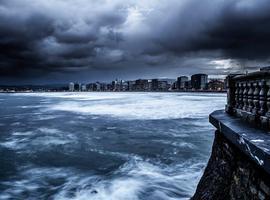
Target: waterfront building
{"type": "Point", "coordinates": [181, 82]}
{"type": "Point", "coordinates": [131, 85]}
{"type": "Point", "coordinates": [108, 87]}
{"type": "Point", "coordinates": [103, 87]}
{"type": "Point", "coordinates": [265, 69]}
{"type": "Point", "coordinates": [98, 86]}
{"type": "Point", "coordinates": [188, 85]}
{"type": "Point", "coordinates": [154, 85]}
{"type": "Point", "coordinates": [71, 86]}
{"type": "Point", "coordinates": [123, 85]}
{"type": "Point", "coordinates": [141, 85]}
{"type": "Point", "coordinates": [216, 85]}
{"type": "Point", "coordinates": [116, 85]}
{"type": "Point", "coordinates": [163, 85]}
{"type": "Point", "coordinates": [83, 87]}
{"type": "Point", "coordinates": [199, 81]}
{"type": "Point", "coordinates": [174, 86]}
{"type": "Point", "coordinates": [77, 87]}
{"type": "Point", "coordinates": [92, 87]}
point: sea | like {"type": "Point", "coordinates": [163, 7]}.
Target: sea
{"type": "Point", "coordinates": [104, 145]}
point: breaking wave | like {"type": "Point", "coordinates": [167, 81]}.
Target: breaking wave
{"type": "Point", "coordinates": [104, 146]}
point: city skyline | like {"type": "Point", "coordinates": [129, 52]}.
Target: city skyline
{"type": "Point", "coordinates": [60, 41]}
{"type": "Point", "coordinates": [195, 82]}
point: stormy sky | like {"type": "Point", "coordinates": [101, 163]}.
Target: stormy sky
{"type": "Point", "coordinates": [57, 41]}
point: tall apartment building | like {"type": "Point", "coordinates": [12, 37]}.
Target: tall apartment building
{"type": "Point", "coordinates": [199, 81]}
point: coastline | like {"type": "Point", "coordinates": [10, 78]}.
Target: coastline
{"type": "Point", "coordinates": [194, 91]}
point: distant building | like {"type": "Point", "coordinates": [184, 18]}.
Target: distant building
{"type": "Point", "coordinates": [104, 87]}
{"type": "Point", "coordinates": [116, 85]}
{"type": "Point", "coordinates": [91, 87]}
{"type": "Point", "coordinates": [83, 87]}
{"type": "Point", "coordinates": [265, 69]}
{"type": "Point", "coordinates": [216, 85]}
{"type": "Point", "coordinates": [108, 87]}
{"type": "Point", "coordinates": [181, 82]}
{"type": "Point", "coordinates": [131, 85]}
{"type": "Point", "coordinates": [163, 85]}
{"type": "Point", "coordinates": [199, 81]}
{"type": "Point", "coordinates": [71, 87]}
{"type": "Point", "coordinates": [188, 85]}
{"type": "Point", "coordinates": [123, 85]}
{"type": "Point", "coordinates": [141, 85]}
{"type": "Point", "coordinates": [168, 80]}
{"type": "Point", "coordinates": [174, 85]}
{"type": "Point", "coordinates": [77, 87]}
{"type": "Point", "coordinates": [98, 86]}
{"type": "Point", "coordinates": [154, 85]}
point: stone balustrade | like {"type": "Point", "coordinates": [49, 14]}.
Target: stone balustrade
{"type": "Point", "coordinates": [239, 166]}
{"type": "Point", "coordinates": [249, 97]}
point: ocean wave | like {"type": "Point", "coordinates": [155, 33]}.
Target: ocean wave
{"type": "Point", "coordinates": [45, 117]}
{"type": "Point", "coordinates": [142, 106]}
{"type": "Point", "coordinates": [91, 151]}
{"type": "Point", "coordinates": [136, 179]}
{"type": "Point", "coordinates": [16, 124]}
{"type": "Point", "coordinates": [42, 138]}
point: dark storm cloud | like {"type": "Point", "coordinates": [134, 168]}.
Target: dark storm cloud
{"type": "Point", "coordinates": [43, 37]}
{"type": "Point", "coordinates": [239, 29]}
{"type": "Point", "coordinates": [242, 31]}
{"type": "Point", "coordinates": [38, 38]}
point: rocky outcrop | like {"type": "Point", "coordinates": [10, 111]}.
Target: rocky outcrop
{"type": "Point", "coordinates": [232, 175]}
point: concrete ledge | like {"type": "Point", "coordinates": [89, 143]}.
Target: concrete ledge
{"type": "Point", "coordinates": [253, 142]}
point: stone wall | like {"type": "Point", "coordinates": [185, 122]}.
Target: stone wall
{"type": "Point", "coordinates": [232, 175]}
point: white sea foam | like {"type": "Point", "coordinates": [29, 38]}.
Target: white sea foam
{"type": "Point", "coordinates": [141, 105]}
{"type": "Point", "coordinates": [26, 144]}
{"type": "Point", "coordinates": [66, 95]}
{"type": "Point", "coordinates": [119, 189]}
{"type": "Point", "coordinates": [132, 180]}
{"type": "Point", "coordinates": [49, 130]}
{"type": "Point", "coordinates": [52, 136]}
{"type": "Point", "coordinates": [15, 143]}
{"type": "Point", "coordinates": [41, 138]}
{"type": "Point", "coordinates": [16, 124]}
{"type": "Point", "coordinates": [31, 106]}
{"type": "Point", "coordinates": [258, 140]}
{"type": "Point", "coordinates": [45, 117]}
{"type": "Point", "coordinates": [111, 128]}
{"type": "Point", "coordinates": [22, 133]}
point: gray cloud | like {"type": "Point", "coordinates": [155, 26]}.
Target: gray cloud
{"type": "Point", "coordinates": [46, 38]}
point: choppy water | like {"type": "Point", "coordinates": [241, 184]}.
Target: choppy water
{"type": "Point", "coordinates": [104, 146]}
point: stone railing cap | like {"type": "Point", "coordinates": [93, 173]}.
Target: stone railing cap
{"type": "Point", "coordinates": [255, 143]}
{"type": "Point", "coordinates": [253, 76]}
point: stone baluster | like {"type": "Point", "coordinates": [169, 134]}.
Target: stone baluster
{"type": "Point", "coordinates": [268, 102]}
{"type": "Point", "coordinates": [250, 97]}
{"type": "Point", "coordinates": [256, 104]}
{"type": "Point", "coordinates": [245, 96]}
{"type": "Point", "coordinates": [230, 107]}
{"type": "Point", "coordinates": [262, 98]}
{"type": "Point", "coordinates": [240, 96]}
{"type": "Point", "coordinates": [237, 88]}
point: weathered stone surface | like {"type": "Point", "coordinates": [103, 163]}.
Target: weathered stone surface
{"type": "Point", "coordinates": [261, 196]}
{"type": "Point", "coordinates": [215, 183]}
{"type": "Point", "coordinates": [232, 175]}
{"type": "Point", "coordinates": [264, 188]}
